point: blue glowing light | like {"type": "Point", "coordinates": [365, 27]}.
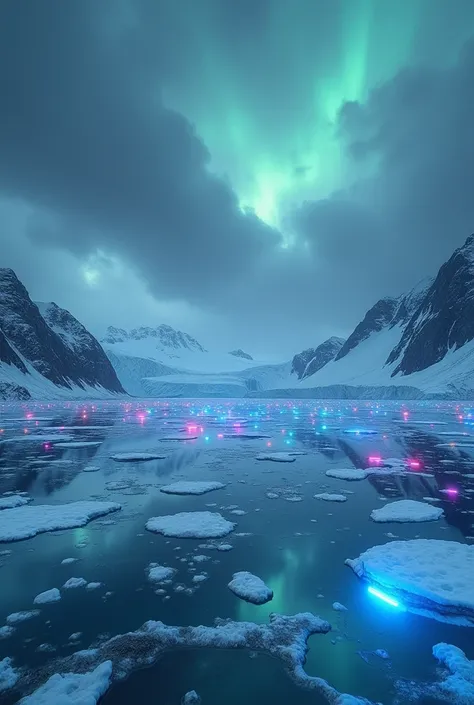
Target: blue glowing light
{"type": "Point", "coordinates": [382, 596]}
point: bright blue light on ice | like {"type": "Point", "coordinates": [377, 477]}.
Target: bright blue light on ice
{"type": "Point", "coordinates": [381, 596]}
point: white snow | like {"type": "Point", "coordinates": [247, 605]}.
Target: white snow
{"type": "Point", "coordinates": [433, 576]}
{"type": "Point", "coordinates": [18, 617]}
{"type": "Point", "coordinates": [159, 573]}
{"type": "Point", "coordinates": [25, 522]}
{"type": "Point", "coordinates": [136, 457]}
{"type": "Point", "coordinates": [8, 675]}
{"type": "Point", "coordinates": [349, 474]}
{"type": "Point", "coordinates": [73, 688]}
{"type": "Point", "coordinates": [43, 598]}
{"type": "Point", "coordinates": [191, 487]}
{"type": "Point", "coordinates": [459, 683]}
{"type": "Point", "coordinates": [12, 502]}
{"type": "Point", "coordinates": [250, 588]}
{"type": "Point", "coordinates": [198, 525]}
{"type": "Point", "coordinates": [279, 457]}
{"type": "Point", "coordinates": [74, 583]}
{"type": "Point", "coordinates": [406, 510]}
{"type": "Point", "coordinates": [328, 497]}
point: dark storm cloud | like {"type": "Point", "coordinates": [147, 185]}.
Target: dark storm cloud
{"type": "Point", "coordinates": [84, 132]}
{"type": "Point", "coordinates": [415, 133]}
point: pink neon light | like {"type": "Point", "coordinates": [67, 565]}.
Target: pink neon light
{"type": "Point", "coordinates": [414, 464]}
{"type": "Point", "coordinates": [452, 490]}
{"type": "Point", "coordinates": [375, 459]}
{"type": "Point", "coordinates": [220, 435]}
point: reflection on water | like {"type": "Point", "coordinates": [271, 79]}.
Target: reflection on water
{"type": "Point", "coordinates": [297, 547]}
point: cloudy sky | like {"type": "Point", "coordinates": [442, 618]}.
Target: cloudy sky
{"type": "Point", "coordinates": [255, 172]}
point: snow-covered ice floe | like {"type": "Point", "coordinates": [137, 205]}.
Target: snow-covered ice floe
{"type": "Point", "coordinates": [73, 583]}
{"type": "Point", "coordinates": [136, 457]}
{"type": "Point", "coordinates": [8, 675]}
{"type": "Point", "coordinates": [278, 457]}
{"type": "Point", "coordinates": [191, 487]}
{"type": "Point", "coordinates": [193, 525]}
{"type": "Point", "coordinates": [158, 573]}
{"type": "Point", "coordinates": [47, 596]}
{"type": "Point", "coordinates": [250, 588]}
{"type": "Point", "coordinates": [328, 497]}
{"type": "Point", "coordinates": [285, 638]}
{"type": "Point", "coordinates": [23, 616]}
{"type": "Point", "coordinates": [25, 522]}
{"type": "Point", "coordinates": [13, 502]}
{"type": "Point", "coordinates": [349, 474]}
{"type": "Point", "coordinates": [73, 688]}
{"type": "Point", "coordinates": [429, 577]}
{"type": "Point", "coordinates": [406, 510]}
{"type": "Point", "coordinates": [73, 445]}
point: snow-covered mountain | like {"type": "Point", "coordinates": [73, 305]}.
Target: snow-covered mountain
{"type": "Point", "coordinates": [418, 345]}
{"type": "Point", "coordinates": [308, 362]}
{"type": "Point", "coordinates": [45, 352]}
{"type": "Point", "coordinates": [155, 362]}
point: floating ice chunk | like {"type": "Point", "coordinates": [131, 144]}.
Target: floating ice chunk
{"type": "Point", "coordinates": [8, 675]}
{"type": "Point", "coordinates": [72, 445]}
{"type": "Point", "coordinates": [12, 502]}
{"type": "Point", "coordinates": [6, 632]}
{"type": "Point", "coordinates": [73, 688]}
{"type": "Point", "coordinates": [432, 577]}
{"type": "Point", "coordinates": [272, 495]}
{"type": "Point", "coordinates": [136, 457]}
{"type": "Point", "coordinates": [25, 522]}
{"type": "Point", "coordinates": [187, 437]}
{"type": "Point", "coordinates": [250, 588]}
{"type": "Point", "coordinates": [23, 616]}
{"type": "Point", "coordinates": [224, 547]}
{"type": "Point", "coordinates": [75, 636]}
{"type": "Point", "coordinates": [279, 457]}
{"type": "Point", "coordinates": [91, 468]}
{"type": "Point", "coordinates": [200, 578]}
{"type": "Point", "coordinates": [381, 653]}
{"type": "Point", "coordinates": [191, 487]}
{"type": "Point", "coordinates": [93, 586]}
{"type": "Point", "coordinates": [191, 698]}
{"type": "Point", "coordinates": [247, 435]}
{"type": "Point", "coordinates": [74, 583]}
{"type": "Point", "coordinates": [238, 512]}
{"type": "Point", "coordinates": [68, 561]}
{"type": "Point", "coordinates": [158, 573]}
{"type": "Point", "coordinates": [328, 497]}
{"type": "Point", "coordinates": [339, 607]}
{"type": "Point", "coordinates": [43, 598]}
{"type": "Point", "coordinates": [349, 474]}
{"type": "Point", "coordinates": [406, 510]}
{"type": "Point", "coordinates": [459, 685]}
{"type": "Point", "coordinates": [201, 558]}
{"type": "Point", "coordinates": [198, 525]}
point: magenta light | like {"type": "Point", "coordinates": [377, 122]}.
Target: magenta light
{"type": "Point", "coordinates": [375, 459]}
{"type": "Point", "coordinates": [452, 491]}
{"type": "Point", "coordinates": [415, 464]}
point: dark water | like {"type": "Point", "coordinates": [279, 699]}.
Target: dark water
{"type": "Point", "coordinates": [297, 548]}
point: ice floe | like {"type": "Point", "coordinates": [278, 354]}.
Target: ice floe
{"type": "Point", "coordinates": [91, 468]}
{"type": "Point", "coordinates": [74, 583]}
{"type": "Point", "coordinates": [68, 561]}
{"type": "Point", "coordinates": [191, 487]}
{"type": "Point", "coordinates": [6, 632]}
{"type": "Point", "coordinates": [349, 474]}
{"type": "Point", "coordinates": [338, 607]}
{"type": "Point", "coordinates": [430, 577]}
{"type": "Point", "coordinates": [199, 525]}
{"type": "Point", "coordinates": [73, 445]}
{"type": "Point", "coordinates": [191, 698]}
{"type": "Point", "coordinates": [13, 502]}
{"type": "Point", "coordinates": [93, 586]}
{"type": "Point", "coordinates": [136, 457]}
{"type": "Point", "coordinates": [8, 675]}
{"type": "Point", "coordinates": [158, 573]}
{"type": "Point", "coordinates": [328, 497]}
{"type": "Point", "coordinates": [279, 457]}
{"type": "Point", "coordinates": [73, 688]}
{"type": "Point", "coordinates": [406, 510]}
{"type": "Point", "coordinates": [47, 596]}
{"type": "Point", "coordinates": [250, 588]}
{"type": "Point", "coordinates": [25, 522]}
{"type": "Point", "coordinates": [23, 616]}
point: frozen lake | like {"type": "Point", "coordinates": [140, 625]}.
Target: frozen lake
{"type": "Point", "coordinates": [297, 544]}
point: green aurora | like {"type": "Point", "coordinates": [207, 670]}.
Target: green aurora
{"type": "Point", "coordinates": [266, 100]}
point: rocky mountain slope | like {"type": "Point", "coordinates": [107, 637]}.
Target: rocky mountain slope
{"type": "Point", "coordinates": [51, 352]}
{"type": "Point", "coordinates": [308, 362]}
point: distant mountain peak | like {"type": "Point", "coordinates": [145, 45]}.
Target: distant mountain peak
{"type": "Point", "coordinates": [311, 360]}
{"type": "Point", "coordinates": [241, 353]}
{"type": "Point", "coordinates": [165, 336]}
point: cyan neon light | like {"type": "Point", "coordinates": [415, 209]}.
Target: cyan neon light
{"type": "Point", "coordinates": [385, 598]}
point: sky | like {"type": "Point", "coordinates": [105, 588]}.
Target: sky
{"type": "Point", "coordinates": [257, 173]}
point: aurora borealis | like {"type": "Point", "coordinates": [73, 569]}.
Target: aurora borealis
{"type": "Point", "coordinates": [206, 155]}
